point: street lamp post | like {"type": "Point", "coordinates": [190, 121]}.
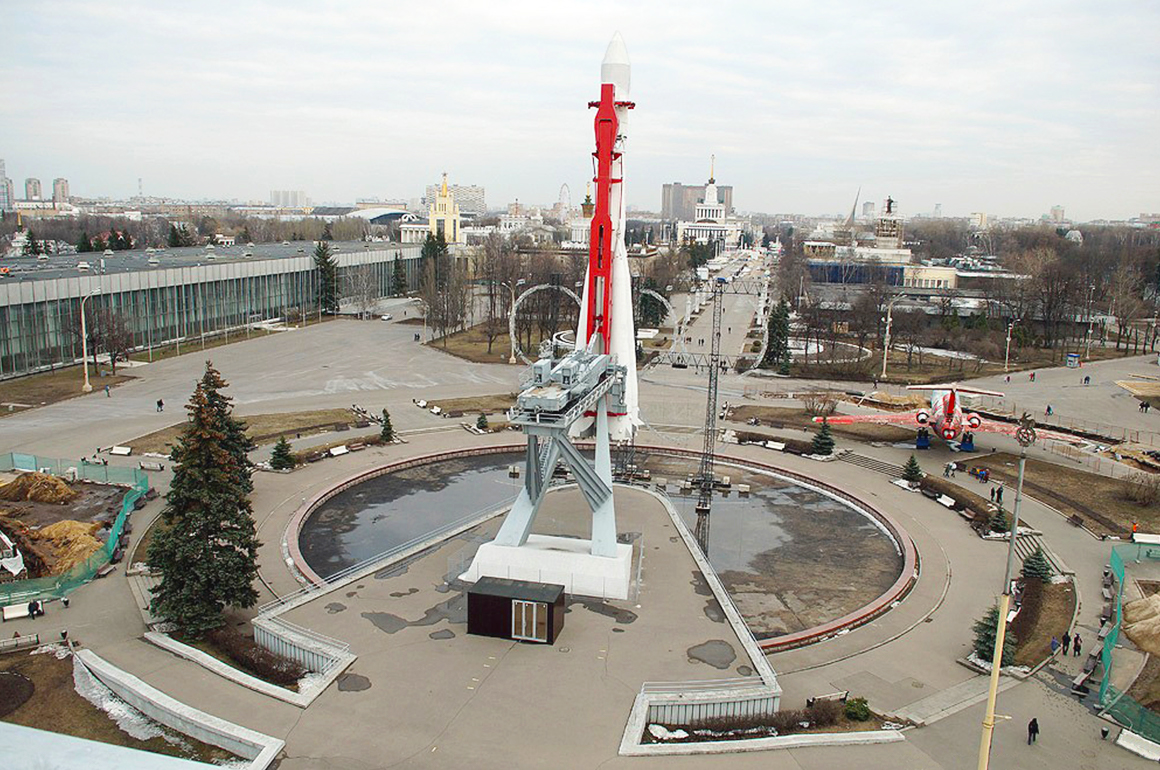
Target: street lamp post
{"type": "Point", "coordinates": [86, 388]}
{"type": "Point", "coordinates": [1007, 355]}
{"type": "Point", "coordinates": [1025, 435]}
{"type": "Point", "coordinates": [1091, 319]}
{"type": "Point", "coordinates": [886, 337]}
{"type": "Point", "coordinates": [511, 315]}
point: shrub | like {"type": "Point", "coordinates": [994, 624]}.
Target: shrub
{"type": "Point", "coordinates": [1000, 523]}
{"type": "Point", "coordinates": [481, 423]}
{"type": "Point", "coordinates": [1144, 489]}
{"type": "Point", "coordinates": [857, 709]}
{"type": "Point", "coordinates": [823, 443]}
{"type": "Point", "coordinates": [282, 458]}
{"type": "Point", "coordinates": [984, 644]}
{"type": "Point", "coordinates": [255, 659]}
{"type": "Point", "coordinates": [912, 472]}
{"type": "Point", "coordinates": [825, 713]}
{"type": "Point", "coordinates": [1036, 566]}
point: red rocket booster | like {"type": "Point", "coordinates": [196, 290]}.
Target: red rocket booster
{"type": "Point", "coordinates": [601, 245]}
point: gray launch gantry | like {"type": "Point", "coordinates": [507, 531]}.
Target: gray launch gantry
{"type": "Point", "coordinates": [554, 397]}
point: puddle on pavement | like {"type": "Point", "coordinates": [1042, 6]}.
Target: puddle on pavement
{"type": "Point", "coordinates": [353, 683]}
{"type": "Point", "coordinates": [334, 607]}
{"type": "Point", "coordinates": [717, 653]}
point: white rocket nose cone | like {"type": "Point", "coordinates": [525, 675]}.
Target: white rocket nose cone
{"type": "Point", "coordinates": [615, 68]}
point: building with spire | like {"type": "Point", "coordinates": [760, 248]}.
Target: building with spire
{"type": "Point", "coordinates": [711, 222]}
{"type": "Point", "coordinates": [442, 219]}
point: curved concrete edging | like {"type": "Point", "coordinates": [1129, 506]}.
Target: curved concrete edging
{"type": "Point", "coordinates": [765, 744]}
{"type": "Point", "coordinates": [896, 592]}
{"type": "Point", "coordinates": [257, 747]}
{"type": "Point", "coordinates": [313, 687]}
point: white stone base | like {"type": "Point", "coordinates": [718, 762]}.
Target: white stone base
{"type": "Point", "coordinates": [564, 560]}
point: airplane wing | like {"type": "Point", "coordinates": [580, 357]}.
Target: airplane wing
{"type": "Point", "coordinates": [965, 389]}
{"type": "Point", "coordinates": [1007, 428]}
{"type": "Point", "coordinates": [902, 420]}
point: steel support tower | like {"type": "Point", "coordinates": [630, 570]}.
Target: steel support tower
{"type": "Point", "coordinates": [705, 472]}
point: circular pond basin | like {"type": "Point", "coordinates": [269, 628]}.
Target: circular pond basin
{"type": "Point", "coordinates": [791, 557]}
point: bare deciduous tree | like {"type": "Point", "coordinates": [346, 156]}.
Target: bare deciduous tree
{"type": "Point", "coordinates": [362, 289]}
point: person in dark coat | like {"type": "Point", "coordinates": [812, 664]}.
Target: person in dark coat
{"type": "Point", "coordinates": [1066, 641]}
{"type": "Point", "coordinates": [1075, 645]}
{"type": "Point", "coordinates": [1032, 731]}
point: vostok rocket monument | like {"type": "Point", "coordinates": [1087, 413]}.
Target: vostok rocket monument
{"type": "Point", "coordinates": [591, 391]}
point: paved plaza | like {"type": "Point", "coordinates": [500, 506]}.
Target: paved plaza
{"type": "Point", "coordinates": [423, 694]}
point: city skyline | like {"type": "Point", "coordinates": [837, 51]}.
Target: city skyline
{"type": "Point", "coordinates": [968, 106]}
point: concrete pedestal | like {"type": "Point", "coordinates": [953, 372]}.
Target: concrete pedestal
{"type": "Point", "coordinates": [564, 560]}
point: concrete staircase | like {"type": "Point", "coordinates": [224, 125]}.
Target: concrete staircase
{"type": "Point", "coordinates": [871, 464]}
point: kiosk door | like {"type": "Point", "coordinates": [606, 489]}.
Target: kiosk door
{"type": "Point", "coordinates": [529, 621]}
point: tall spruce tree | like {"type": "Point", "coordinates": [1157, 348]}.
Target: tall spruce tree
{"type": "Point", "coordinates": [777, 349]}
{"type": "Point", "coordinates": [985, 630]}
{"type": "Point", "coordinates": [236, 441]}
{"type": "Point", "coordinates": [398, 279]}
{"type": "Point", "coordinates": [327, 268]}
{"type": "Point", "coordinates": [823, 443]}
{"type": "Point", "coordinates": [206, 555]}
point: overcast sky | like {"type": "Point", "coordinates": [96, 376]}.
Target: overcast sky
{"type": "Point", "coordinates": [1007, 107]}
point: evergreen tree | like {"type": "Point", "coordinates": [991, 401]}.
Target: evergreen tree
{"type": "Point", "coordinates": [783, 367]}
{"type": "Point", "coordinates": [31, 246]}
{"type": "Point", "coordinates": [1037, 566]}
{"type": "Point", "coordinates": [327, 235]}
{"type": "Point", "coordinates": [282, 459]}
{"type": "Point", "coordinates": [912, 471]}
{"type": "Point", "coordinates": [174, 239]}
{"type": "Point", "coordinates": [999, 522]}
{"type": "Point", "coordinates": [434, 249]}
{"type": "Point", "coordinates": [327, 277]}
{"type": "Point", "coordinates": [207, 554]}
{"type": "Point", "coordinates": [777, 349]}
{"type": "Point", "coordinates": [985, 631]}
{"type": "Point", "coordinates": [399, 278]}
{"type": "Point", "coordinates": [245, 236]}
{"type": "Point", "coordinates": [388, 432]}
{"type": "Point", "coordinates": [84, 245]}
{"type": "Point", "coordinates": [481, 423]}
{"type": "Point", "coordinates": [235, 440]}
{"type": "Point", "coordinates": [823, 443]}
{"type": "Point", "coordinates": [99, 243]}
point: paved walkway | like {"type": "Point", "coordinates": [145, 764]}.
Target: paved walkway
{"type": "Point", "coordinates": [900, 660]}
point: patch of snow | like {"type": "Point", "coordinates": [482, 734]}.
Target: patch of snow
{"type": "Point", "coordinates": [662, 733]}
{"type": "Point", "coordinates": [59, 650]}
{"type": "Point", "coordinates": [1060, 579]}
{"type": "Point", "coordinates": [986, 665]}
{"type": "Point", "coordinates": [127, 718]}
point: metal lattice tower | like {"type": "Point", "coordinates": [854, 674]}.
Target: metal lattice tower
{"type": "Point", "coordinates": [705, 472]}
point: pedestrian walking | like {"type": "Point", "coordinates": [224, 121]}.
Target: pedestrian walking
{"type": "Point", "coordinates": [992, 494]}
{"type": "Point", "coordinates": [107, 392]}
{"type": "Point", "coordinates": [947, 471]}
{"type": "Point", "coordinates": [1047, 412]}
{"type": "Point", "coordinates": [999, 495]}
{"type": "Point", "coordinates": [1076, 645]}
{"type": "Point", "coordinates": [1141, 409]}
{"type": "Point", "coordinates": [1007, 378]}
{"type": "Point", "coordinates": [160, 405]}
{"type": "Point", "coordinates": [1066, 640]}
{"type": "Point", "coordinates": [1031, 377]}
{"type": "Point", "coordinates": [1054, 646]}
{"type": "Point", "coordinates": [1087, 380]}
{"type": "Point", "coordinates": [1032, 731]}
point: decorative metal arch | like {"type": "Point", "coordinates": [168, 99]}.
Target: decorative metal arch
{"type": "Point", "coordinates": [516, 306]}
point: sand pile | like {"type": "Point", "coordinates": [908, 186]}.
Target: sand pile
{"type": "Point", "coordinates": [1142, 623]}
{"type": "Point", "coordinates": [74, 542]}
{"type": "Point", "coordinates": [37, 488]}
{"type": "Point", "coordinates": [907, 400]}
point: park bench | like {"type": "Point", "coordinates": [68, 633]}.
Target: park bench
{"type": "Point", "coordinates": [106, 570]}
{"type": "Point", "coordinates": [150, 465]}
{"type": "Point", "coordinates": [1079, 684]}
{"type": "Point", "coordinates": [1075, 520]}
{"type": "Point", "coordinates": [1106, 612]}
{"type": "Point", "coordinates": [1092, 661]}
{"type": "Point", "coordinates": [840, 696]}
{"type": "Point", "coordinates": [1107, 591]}
{"type": "Point", "coordinates": [1105, 629]}
{"type": "Point", "coordinates": [15, 611]}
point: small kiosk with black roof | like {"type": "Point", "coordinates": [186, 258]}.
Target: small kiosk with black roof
{"type": "Point", "coordinates": [515, 609]}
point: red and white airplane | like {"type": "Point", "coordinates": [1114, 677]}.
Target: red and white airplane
{"type": "Point", "coordinates": [946, 416]}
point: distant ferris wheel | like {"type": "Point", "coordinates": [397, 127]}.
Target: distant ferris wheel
{"type": "Point", "coordinates": [565, 197]}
